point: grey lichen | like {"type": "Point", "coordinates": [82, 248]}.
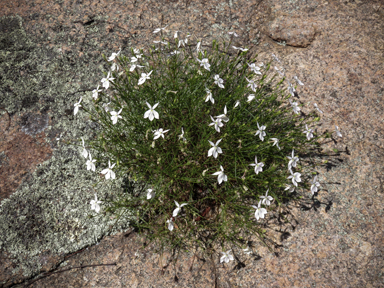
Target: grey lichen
{"type": "Point", "coordinates": [52, 212]}
{"type": "Point", "coordinates": [49, 211]}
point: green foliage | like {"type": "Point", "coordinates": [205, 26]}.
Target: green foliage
{"type": "Point", "coordinates": [181, 171]}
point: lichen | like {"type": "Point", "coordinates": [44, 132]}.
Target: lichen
{"type": "Point", "coordinates": [49, 211]}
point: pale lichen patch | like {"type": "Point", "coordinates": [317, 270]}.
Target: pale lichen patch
{"type": "Point", "coordinates": [49, 211]}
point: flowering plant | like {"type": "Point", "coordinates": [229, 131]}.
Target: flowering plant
{"type": "Point", "coordinates": [169, 149]}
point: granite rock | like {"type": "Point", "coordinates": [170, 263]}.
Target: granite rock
{"type": "Point", "coordinates": [51, 56]}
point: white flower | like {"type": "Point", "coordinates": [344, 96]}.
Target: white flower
{"type": "Point", "coordinates": [209, 96]}
{"type": "Point", "coordinates": [255, 68]}
{"type": "Point", "coordinates": [157, 30]}
{"type": "Point", "coordinates": [162, 42]}
{"type": "Point", "coordinates": [113, 56]}
{"type": "Point", "coordinates": [251, 97]}
{"type": "Point", "coordinates": [95, 204]}
{"type": "Point", "coordinates": [236, 104]}
{"type": "Point", "coordinates": [114, 67]}
{"type": "Point", "coordinates": [106, 80]}
{"type": "Point", "coordinates": [170, 224]}
{"type": "Point", "coordinates": [175, 52]}
{"type": "Point", "coordinates": [289, 187]}
{"type": "Point", "coordinates": [296, 109]}
{"type": "Point", "coordinates": [176, 211]}
{"type": "Point", "coordinates": [295, 178]}
{"type": "Point", "coordinates": [258, 166]}
{"type": "Point", "coordinates": [261, 132]}
{"type": "Point", "coordinates": [220, 175]}
{"type": "Point", "coordinates": [90, 165]}
{"type": "Point", "coordinates": [150, 193]}
{"type": "Point", "coordinates": [95, 92]}
{"type": "Point", "coordinates": [183, 42]}
{"type": "Point", "coordinates": [215, 150]}
{"type": "Point", "coordinates": [175, 35]}
{"type": "Point", "coordinates": [291, 89]}
{"type": "Point", "coordinates": [226, 257]}
{"type": "Point", "coordinates": [204, 62]}
{"type": "Point", "coordinates": [134, 59]}
{"type": "Point", "coordinates": [151, 113]}
{"type": "Point", "coordinates": [314, 185]}
{"type": "Point", "coordinates": [159, 132]}
{"type": "Point", "coordinates": [217, 123]}
{"type": "Point", "coordinates": [260, 212]}
{"type": "Point", "coordinates": [292, 160]}
{"type": "Point", "coordinates": [144, 76]}
{"type": "Point", "coordinates": [246, 251]}
{"type": "Point", "coordinates": [317, 108]}
{"type": "Point", "coordinates": [233, 33]}
{"type": "Point", "coordinates": [218, 81]}
{"type": "Point", "coordinates": [133, 67]}
{"type": "Point", "coordinates": [224, 116]}
{"type": "Point", "coordinates": [198, 47]}
{"type": "Point", "coordinates": [298, 81]}
{"type": "Point", "coordinates": [338, 132]}
{"type": "Point", "coordinates": [309, 132]}
{"type": "Point", "coordinates": [266, 199]}
{"type": "Point", "coordinates": [85, 152]}
{"type": "Point", "coordinates": [181, 136]}
{"type": "Point", "coordinates": [276, 142]}
{"type": "Point", "coordinates": [239, 48]}
{"type": "Point", "coordinates": [77, 105]}
{"type": "Point", "coordinates": [115, 116]}
{"type": "Point", "coordinates": [278, 71]}
{"type": "Point", "coordinates": [251, 84]}
{"type": "Point", "coordinates": [108, 171]}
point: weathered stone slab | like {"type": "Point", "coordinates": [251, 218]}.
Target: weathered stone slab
{"type": "Point", "coordinates": [294, 31]}
{"type": "Point", "coordinates": [334, 242]}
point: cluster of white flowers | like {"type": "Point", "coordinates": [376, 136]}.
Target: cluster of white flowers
{"type": "Point", "coordinates": [108, 172]}
{"type": "Point", "coordinates": [215, 150]}
{"type": "Point", "coordinates": [259, 214]}
{"type": "Point", "coordinates": [135, 59]}
{"type": "Point", "coordinates": [217, 121]}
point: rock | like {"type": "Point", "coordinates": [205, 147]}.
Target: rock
{"type": "Point", "coordinates": [292, 30]}
{"type": "Point", "coordinates": [339, 245]}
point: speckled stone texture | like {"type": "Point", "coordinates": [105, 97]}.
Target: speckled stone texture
{"type": "Point", "coordinates": [335, 47]}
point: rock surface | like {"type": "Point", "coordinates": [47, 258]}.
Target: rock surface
{"type": "Point", "coordinates": [50, 56]}
{"type": "Point", "coordinates": [292, 30]}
